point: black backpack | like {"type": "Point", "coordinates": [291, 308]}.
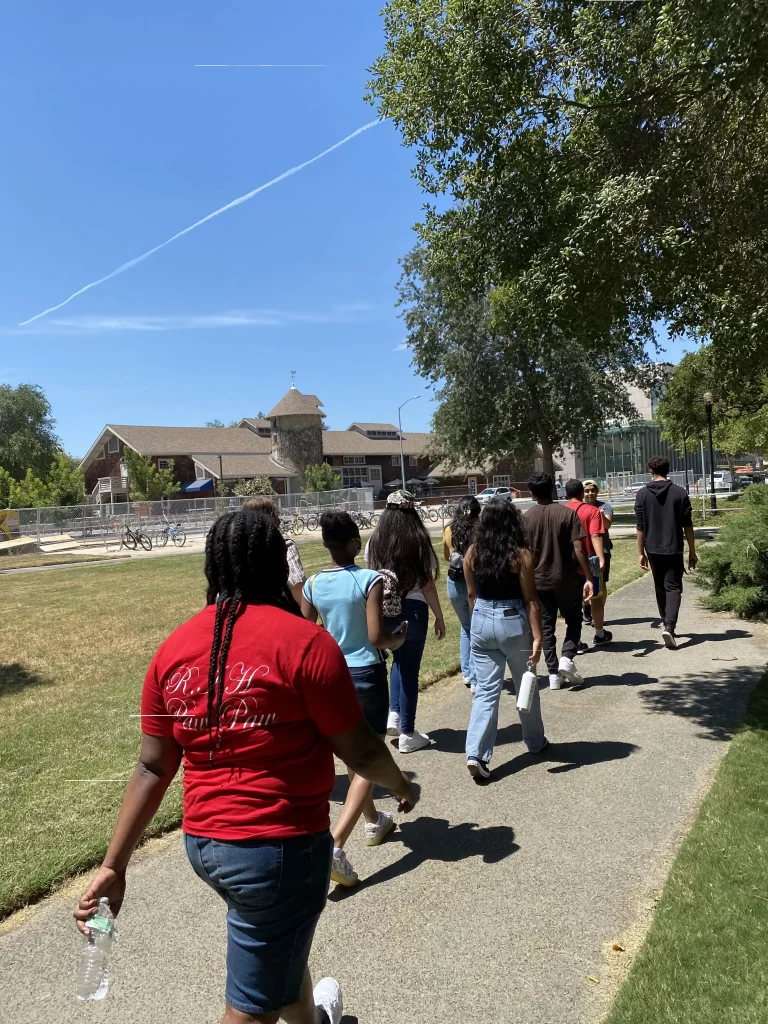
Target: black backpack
{"type": "Point", "coordinates": [456, 566]}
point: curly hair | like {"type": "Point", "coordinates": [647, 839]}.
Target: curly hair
{"type": "Point", "coordinates": [401, 543]}
{"type": "Point", "coordinates": [245, 563]}
{"type": "Point", "coordinates": [499, 542]}
{"type": "Point", "coordinates": [464, 523]}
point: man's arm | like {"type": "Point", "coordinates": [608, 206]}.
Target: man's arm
{"type": "Point", "coordinates": [581, 558]}
{"type": "Point", "coordinates": [597, 544]}
{"type": "Point", "coordinates": [688, 529]}
{"type": "Point", "coordinates": [640, 525]}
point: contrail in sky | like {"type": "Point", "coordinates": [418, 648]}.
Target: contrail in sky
{"type": "Point", "coordinates": [235, 202]}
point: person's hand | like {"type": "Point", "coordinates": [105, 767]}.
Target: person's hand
{"type": "Point", "coordinates": [693, 559]}
{"type": "Point", "coordinates": [643, 563]}
{"type": "Point", "coordinates": [588, 592]}
{"type": "Point", "coordinates": [397, 639]}
{"type": "Point", "coordinates": [535, 653]}
{"type": "Point", "coordinates": [407, 796]}
{"type": "Point", "coordinates": [106, 882]}
{"type": "Point", "coordinates": [439, 627]}
{"type": "Point", "coordinates": [602, 563]}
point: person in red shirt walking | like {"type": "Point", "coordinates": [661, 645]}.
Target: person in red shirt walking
{"type": "Point", "coordinates": [256, 700]}
{"type": "Point", "coordinates": [594, 527]}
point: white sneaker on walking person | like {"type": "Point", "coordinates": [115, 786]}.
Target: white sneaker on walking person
{"type": "Point", "coordinates": [567, 669]}
{"type": "Point", "coordinates": [555, 681]}
{"type": "Point", "coordinates": [376, 832]}
{"type": "Point", "coordinates": [409, 742]}
{"type": "Point", "coordinates": [327, 996]}
{"type": "Point", "coordinates": [342, 871]}
{"type": "Point", "coordinates": [393, 724]}
{"type": "Point", "coordinates": [669, 638]}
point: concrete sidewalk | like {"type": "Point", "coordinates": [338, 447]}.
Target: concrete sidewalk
{"type": "Point", "coordinates": [490, 904]}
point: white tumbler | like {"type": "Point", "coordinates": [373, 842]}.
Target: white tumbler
{"type": "Point", "coordinates": [528, 686]}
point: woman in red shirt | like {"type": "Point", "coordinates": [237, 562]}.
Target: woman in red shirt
{"type": "Point", "coordinates": [256, 700]}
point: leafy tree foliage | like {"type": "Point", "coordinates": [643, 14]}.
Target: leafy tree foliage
{"type": "Point", "coordinates": [146, 481]}
{"type": "Point", "coordinates": [610, 160]}
{"type": "Point", "coordinates": [258, 485]}
{"type": "Point", "coordinates": [27, 438]}
{"type": "Point", "coordinates": [735, 570]}
{"type": "Point", "coordinates": [221, 423]}
{"type": "Point", "coordinates": [320, 478]}
{"type": "Point", "coordinates": [62, 485]}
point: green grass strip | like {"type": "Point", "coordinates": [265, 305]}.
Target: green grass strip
{"type": "Point", "coordinates": [705, 959]}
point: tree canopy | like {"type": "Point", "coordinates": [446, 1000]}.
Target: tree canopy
{"type": "Point", "coordinates": [27, 438]}
{"type": "Point", "coordinates": [320, 478]}
{"type": "Point", "coordinates": [609, 160]}
{"type": "Point", "coordinates": [257, 485]}
{"type": "Point", "coordinates": [146, 481]}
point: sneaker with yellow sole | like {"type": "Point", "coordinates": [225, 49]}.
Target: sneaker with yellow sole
{"type": "Point", "coordinates": [378, 831]}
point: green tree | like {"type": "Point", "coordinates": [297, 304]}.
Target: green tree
{"type": "Point", "coordinates": [146, 481]}
{"type": "Point", "coordinates": [568, 133]}
{"type": "Point", "coordinates": [6, 480]}
{"type": "Point", "coordinates": [258, 485]}
{"type": "Point", "coordinates": [65, 481]}
{"type": "Point", "coordinates": [735, 570]}
{"type": "Point", "coordinates": [30, 492]}
{"type": "Point", "coordinates": [27, 438]}
{"type": "Point", "coordinates": [320, 478]}
{"type": "Point", "coordinates": [221, 423]}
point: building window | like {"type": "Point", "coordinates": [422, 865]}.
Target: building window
{"type": "Point", "coordinates": [113, 445]}
{"type": "Point", "coordinates": [200, 472]}
{"type": "Point", "coordinates": [501, 481]}
{"type": "Point", "coordinates": [374, 475]}
{"type": "Point", "coordinates": [354, 477]}
{"type": "Point", "coordinates": [395, 460]}
{"type": "Point", "coordinates": [99, 453]}
{"type": "Point", "coordinates": [412, 460]}
{"type": "Point", "coordinates": [164, 463]}
{"type": "Point", "coordinates": [354, 460]}
{"type": "Point", "coordinates": [472, 485]}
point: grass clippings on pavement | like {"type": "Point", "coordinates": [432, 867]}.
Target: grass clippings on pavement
{"type": "Point", "coordinates": [705, 959]}
{"type": "Point", "coordinates": [74, 648]}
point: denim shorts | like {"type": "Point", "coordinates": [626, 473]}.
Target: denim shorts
{"type": "Point", "coordinates": [275, 891]}
{"type": "Point", "coordinates": [372, 687]}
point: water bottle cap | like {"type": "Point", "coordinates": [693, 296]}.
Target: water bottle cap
{"type": "Point", "coordinates": [103, 900]}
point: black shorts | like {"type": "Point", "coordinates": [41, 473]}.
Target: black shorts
{"type": "Point", "coordinates": [607, 569]}
{"type": "Point", "coordinates": [372, 688]}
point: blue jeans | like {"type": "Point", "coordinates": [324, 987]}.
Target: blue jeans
{"type": "Point", "coordinates": [275, 891]}
{"type": "Point", "coordinates": [501, 634]}
{"type": "Point", "coordinates": [404, 678]}
{"type": "Point", "coordinates": [457, 595]}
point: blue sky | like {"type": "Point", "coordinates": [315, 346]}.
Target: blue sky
{"type": "Point", "coordinates": [113, 141]}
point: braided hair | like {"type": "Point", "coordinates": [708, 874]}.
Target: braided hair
{"type": "Point", "coordinates": [245, 563]}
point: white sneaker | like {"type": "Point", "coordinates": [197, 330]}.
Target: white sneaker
{"type": "Point", "coordinates": [393, 724]}
{"type": "Point", "coordinates": [472, 689]}
{"type": "Point", "coordinates": [413, 741]}
{"type": "Point", "coordinates": [342, 871]}
{"type": "Point", "coordinates": [327, 996]}
{"type": "Point", "coordinates": [378, 831]}
{"type": "Point", "coordinates": [670, 640]}
{"type": "Point", "coordinates": [466, 681]}
{"type": "Point", "coordinates": [555, 681]}
{"type": "Point", "coordinates": [568, 669]}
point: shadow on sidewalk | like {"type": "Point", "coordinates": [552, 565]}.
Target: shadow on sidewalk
{"type": "Point", "coordinates": [685, 640]}
{"type": "Point", "coordinates": [434, 839]}
{"type": "Point", "coordinates": [627, 679]}
{"type": "Point", "coordinates": [341, 789]}
{"type": "Point", "coordinates": [715, 700]}
{"type": "Point", "coordinates": [653, 622]}
{"type": "Point", "coordinates": [453, 741]}
{"type": "Point", "coordinates": [569, 757]}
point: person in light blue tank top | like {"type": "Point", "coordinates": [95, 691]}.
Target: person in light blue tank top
{"type": "Point", "coordinates": [349, 601]}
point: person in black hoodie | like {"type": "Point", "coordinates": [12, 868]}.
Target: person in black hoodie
{"type": "Point", "coordinates": [662, 516]}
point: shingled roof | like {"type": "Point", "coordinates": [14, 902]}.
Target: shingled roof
{"type": "Point", "coordinates": [353, 442]}
{"type": "Point", "coordinates": [293, 403]}
{"type": "Point", "coordinates": [246, 466]}
{"type": "Point", "coordinates": [188, 440]}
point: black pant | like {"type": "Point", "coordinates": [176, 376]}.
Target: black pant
{"type": "Point", "coordinates": [568, 603]}
{"type": "Point", "coordinates": [668, 579]}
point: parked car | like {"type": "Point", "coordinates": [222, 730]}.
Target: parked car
{"type": "Point", "coordinates": [494, 493]}
{"type": "Point", "coordinates": [722, 480]}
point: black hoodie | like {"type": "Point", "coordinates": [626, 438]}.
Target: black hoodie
{"type": "Point", "coordinates": [662, 509]}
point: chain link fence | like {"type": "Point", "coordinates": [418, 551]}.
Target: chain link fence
{"type": "Point", "coordinates": [100, 522]}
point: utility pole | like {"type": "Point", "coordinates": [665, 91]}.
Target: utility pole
{"type": "Point", "coordinates": [708, 400]}
{"type": "Point", "coordinates": [400, 431]}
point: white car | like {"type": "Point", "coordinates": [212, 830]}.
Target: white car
{"type": "Point", "coordinates": [494, 494]}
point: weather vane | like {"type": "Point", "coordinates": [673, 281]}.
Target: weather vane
{"type": "Point", "coordinates": [293, 378]}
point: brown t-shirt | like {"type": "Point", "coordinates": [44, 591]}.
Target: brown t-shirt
{"type": "Point", "coordinates": [551, 531]}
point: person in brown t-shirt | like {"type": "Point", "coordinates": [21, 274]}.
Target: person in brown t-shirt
{"type": "Point", "coordinates": [555, 535]}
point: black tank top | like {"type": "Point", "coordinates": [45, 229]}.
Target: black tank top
{"type": "Point", "coordinates": [501, 588]}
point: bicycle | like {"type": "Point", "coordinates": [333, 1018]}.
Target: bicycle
{"type": "Point", "coordinates": [131, 539]}
{"type": "Point", "coordinates": [176, 534]}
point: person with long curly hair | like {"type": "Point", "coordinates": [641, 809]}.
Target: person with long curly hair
{"type": "Point", "coordinates": [256, 700]}
{"type": "Point", "coordinates": [400, 543]}
{"type": "Point", "coordinates": [506, 629]}
{"type": "Point", "coordinates": [457, 538]}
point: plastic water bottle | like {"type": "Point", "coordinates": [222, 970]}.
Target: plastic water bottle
{"type": "Point", "coordinates": [93, 978]}
{"type": "Point", "coordinates": [528, 686]}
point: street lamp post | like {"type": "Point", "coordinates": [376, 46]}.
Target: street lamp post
{"type": "Point", "coordinates": [400, 432]}
{"type": "Point", "coordinates": [708, 400]}
{"type": "Point", "coordinates": [685, 466]}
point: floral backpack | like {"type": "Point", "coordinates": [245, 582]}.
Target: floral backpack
{"type": "Point", "coordinates": [393, 601]}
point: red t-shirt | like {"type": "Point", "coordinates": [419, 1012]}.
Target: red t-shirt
{"type": "Point", "coordinates": [592, 521]}
{"type": "Point", "coordinates": [286, 688]}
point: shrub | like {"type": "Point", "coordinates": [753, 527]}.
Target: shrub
{"type": "Point", "coordinates": [320, 478]}
{"type": "Point", "coordinates": [735, 570]}
{"type": "Point", "coordinates": [258, 485]}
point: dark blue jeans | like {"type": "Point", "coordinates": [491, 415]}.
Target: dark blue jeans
{"type": "Point", "coordinates": [404, 678]}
